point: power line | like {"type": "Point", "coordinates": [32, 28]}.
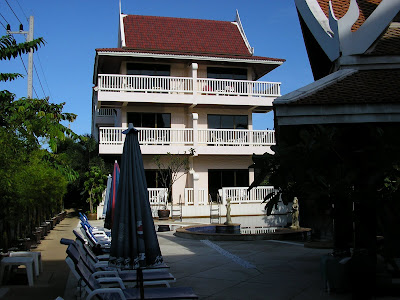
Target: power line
{"type": "Point", "coordinates": [44, 75]}
{"type": "Point", "coordinates": [23, 64]}
{"type": "Point", "coordinates": [13, 11]}
{"type": "Point", "coordinates": [3, 25]}
{"type": "Point", "coordinates": [27, 19]}
{"type": "Point", "coordinates": [4, 18]}
{"type": "Point", "coordinates": [37, 54]}
{"type": "Point", "coordinates": [44, 94]}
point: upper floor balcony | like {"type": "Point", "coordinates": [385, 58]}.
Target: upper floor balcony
{"type": "Point", "coordinates": [105, 116]}
{"type": "Point", "coordinates": [180, 140]}
{"type": "Point", "coordinates": [186, 90]}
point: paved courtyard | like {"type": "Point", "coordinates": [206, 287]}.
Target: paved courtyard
{"type": "Point", "coordinates": [215, 270]}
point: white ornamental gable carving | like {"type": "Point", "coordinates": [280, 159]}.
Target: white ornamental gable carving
{"type": "Point", "coordinates": [335, 36]}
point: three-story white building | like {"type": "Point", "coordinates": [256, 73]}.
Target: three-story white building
{"type": "Point", "coordinates": [187, 84]}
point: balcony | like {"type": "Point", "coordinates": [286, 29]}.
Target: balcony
{"type": "Point", "coordinates": [179, 140]}
{"type": "Point", "coordinates": [242, 202]}
{"type": "Point", "coordinates": [186, 90]}
{"type": "Point", "coordinates": [105, 116]}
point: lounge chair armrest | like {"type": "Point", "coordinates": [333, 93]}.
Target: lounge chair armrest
{"type": "Point", "coordinates": [103, 257]}
{"type": "Point", "coordinates": [103, 242]}
{"type": "Point", "coordinates": [102, 263]}
{"type": "Point", "coordinates": [99, 233]}
{"type": "Point", "coordinates": [100, 274]}
{"type": "Point", "coordinates": [112, 279]}
{"type": "Point", "coordinates": [65, 241]}
{"type": "Point", "coordinates": [106, 291]}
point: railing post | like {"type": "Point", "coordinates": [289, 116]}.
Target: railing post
{"type": "Point", "coordinates": [195, 130]}
{"type": "Point", "coordinates": [195, 67]}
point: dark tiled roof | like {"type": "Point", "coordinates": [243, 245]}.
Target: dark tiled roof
{"type": "Point", "coordinates": [165, 34]}
{"type": "Point", "coordinates": [362, 87]}
{"type": "Point", "coordinates": [388, 44]}
{"type": "Point", "coordinates": [340, 7]}
{"type": "Point", "coordinates": [246, 57]}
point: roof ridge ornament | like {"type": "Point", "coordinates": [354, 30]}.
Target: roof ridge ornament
{"type": "Point", "coordinates": [241, 30]}
{"type": "Point", "coordinates": [335, 36]}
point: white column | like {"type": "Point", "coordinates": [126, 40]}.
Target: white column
{"type": "Point", "coordinates": [196, 178]}
{"type": "Point", "coordinates": [195, 67]}
{"type": "Point", "coordinates": [195, 117]}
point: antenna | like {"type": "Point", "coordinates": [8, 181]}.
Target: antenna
{"type": "Point", "coordinates": [120, 7]}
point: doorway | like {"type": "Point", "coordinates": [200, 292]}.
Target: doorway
{"type": "Point", "coordinates": [217, 179]}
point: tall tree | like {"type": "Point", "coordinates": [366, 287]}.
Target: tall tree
{"type": "Point", "coordinates": [9, 48]}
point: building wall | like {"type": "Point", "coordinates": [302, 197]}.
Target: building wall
{"type": "Point", "coordinates": [203, 112]}
{"type": "Point", "coordinates": [201, 165]}
{"type": "Point", "coordinates": [185, 70]}
{"type": "Point", "coordinates": [181, 116]}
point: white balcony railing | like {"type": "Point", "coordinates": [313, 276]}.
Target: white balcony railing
{"type": "Point", "coordinates": [238, 137]}
{"type": "Point", "coordinates": [186, 85]}
{"type": "Point", "coordinates": [162, 136]}
{"type": "Point", "coordinates": [240, 195]}
{"type": "Point", "coordinates": [136, 83]}
{"type": "Point", "coordinates": [189, 196]}
{"type": "Point", "coordinates": [158, 196]}
{"type": "Point", "coordinates": [147, 136]}
{"type": "Point", "coordinates": [207, 86]}
{"type": "Point", "coordinates": [105, 112]}
{"type": "Point", "coordinates": [184, 136]}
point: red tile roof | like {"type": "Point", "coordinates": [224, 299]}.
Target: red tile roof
{"type": "Point", "coordinates": [362, 87]}
{"type": "Point", "coordinates": [180, 35]}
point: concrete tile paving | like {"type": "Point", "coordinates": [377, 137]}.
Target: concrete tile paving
{"type": "Point", "coordinates": [282, 271]}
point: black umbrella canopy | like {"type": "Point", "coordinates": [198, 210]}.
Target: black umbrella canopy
{"type": "Point", "coordinates": [134, 241]}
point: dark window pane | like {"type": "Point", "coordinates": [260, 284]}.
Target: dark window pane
{"type": "Point", "coordinates": [227, 73]}
{"type": "Point", "coordinates": [241, 122]}
{"type": "Point", "coordinates": [227, 122]}
{"type": "Point", "coordinates": [242, 178]}
{"type": "Point", "coordinates": [214, 121]}
{"type": "Point", "coordinates": [163, 120]}
{"type": "Point", "coordinates": [135, 119]}
{"type": "Point", "coordinates": [151, 178]}
{"type": "Point", "coordinates": [148, 120]}
{"type": "Point", "coordinates": [148, 69]}
{"type": "Point", "coordinates": [228, 178]}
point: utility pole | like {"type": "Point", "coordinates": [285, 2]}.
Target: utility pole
{"type": "Point", "coordinates": [29, 38]}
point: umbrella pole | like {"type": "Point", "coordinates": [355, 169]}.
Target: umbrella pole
{"type": "Point", "coordinates": [140, 282]}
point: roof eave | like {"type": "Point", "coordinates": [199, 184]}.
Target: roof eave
{"type": "Point", "coordinates": [313, 87]}
{"type": "Point", "coordinates": [190, 57]}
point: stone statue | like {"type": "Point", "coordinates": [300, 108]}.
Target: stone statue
{"type": "Point", "coordinates": [228, 212]}
{"type": "Point", "coordinates": [295, 214]}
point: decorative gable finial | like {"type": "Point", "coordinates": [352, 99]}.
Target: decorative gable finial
{"type": "Point", "coordinates": [241, 30]}
{"type": "Point", "coordinates": [335, 36]}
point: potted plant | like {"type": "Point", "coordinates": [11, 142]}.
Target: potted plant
{"type": "Point", "coordinates": [94, 186]}
{"type": "Point", "coordinates": [170, 167]}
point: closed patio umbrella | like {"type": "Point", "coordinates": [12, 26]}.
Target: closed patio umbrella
{"type": "Point", "coordinates": [113, 197]}
{"type": "Point", "coordinates": [107, 197]}
{"type": "Point", "coordinates": [134, 243]}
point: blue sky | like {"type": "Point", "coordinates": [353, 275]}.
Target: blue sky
{"type": "Point", "coordinates": [74, 29]}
